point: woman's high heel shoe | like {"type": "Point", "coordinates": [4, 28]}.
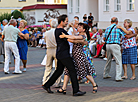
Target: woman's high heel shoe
{"type": "Point", "coordinates": [94, 91]}
{"type": "Point", "coordinates": [63, 91]}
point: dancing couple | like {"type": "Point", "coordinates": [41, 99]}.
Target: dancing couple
{"type": "Point", "coordinates": [64, 60]}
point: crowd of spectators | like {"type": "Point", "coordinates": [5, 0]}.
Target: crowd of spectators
{"type": "Point", "coordinates": [97, 42]}
{"type": "Point", "coordinates": [36, 37]}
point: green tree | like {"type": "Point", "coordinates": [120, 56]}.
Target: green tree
{"type": "Point", "coordinates": [5, 16]}
{"type": "Point", "coordinates": [16, 14]}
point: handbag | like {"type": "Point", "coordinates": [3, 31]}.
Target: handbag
{"type": "Point", "coordinates": [104, 46]}
{"type": "Point", "coordinates": [45, 59]}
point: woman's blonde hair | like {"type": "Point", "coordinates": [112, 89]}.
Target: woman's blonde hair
{"type": "Point", "coordinates": [25, 22]}
{"type": "Point", "coordinates": [128, 21]}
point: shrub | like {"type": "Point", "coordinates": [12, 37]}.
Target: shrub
{"type": "Point", "coordinates": [5, 16]}
{"type": "Point", "coordinates": [16, 14]}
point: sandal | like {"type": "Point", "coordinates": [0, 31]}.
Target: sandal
{"type": "Point", "coordinates": [94, 91]}
{"type": "Point", "coordinates": [132, 78]}
{"type": "Point", "coordinates": [63, 91]}
{"type": "Point", "coordinates": [124, 77]}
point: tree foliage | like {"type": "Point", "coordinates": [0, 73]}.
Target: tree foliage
{"type": "Point", "coordinates": [16, 14]}
{"type": "Point", "coordinates": [5, 16]}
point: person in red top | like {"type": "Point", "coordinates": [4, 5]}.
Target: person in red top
{"type": "Point", "coordinates": [99, 43]}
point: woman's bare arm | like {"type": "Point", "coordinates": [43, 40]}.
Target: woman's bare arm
{"type": "Point", "coordinates": [130, 36]}
{"type": "Point", "coordinates": [73, 37]}
{"type": "Point", "coordinates": [136, 38]}
{"type": "Point", "coordinates": [127, 32]}
{"type": "Point", "coordinates": [83, 42]}
{"type": "Point", "coordinates": [23, 36]}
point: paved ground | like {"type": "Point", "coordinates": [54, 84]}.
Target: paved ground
{"type": "Point", "coordinates": [26, 87]}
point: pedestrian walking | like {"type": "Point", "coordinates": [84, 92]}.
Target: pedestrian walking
{"type": "Point", "coordinates": [90, 20]}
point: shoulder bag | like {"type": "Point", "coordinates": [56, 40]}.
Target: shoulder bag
{"type": "Point", "coordinates": [104, 46]}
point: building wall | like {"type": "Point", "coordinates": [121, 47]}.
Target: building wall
{"type": "Point", "coordinates": [74, 13]}
{"type": "Point", "coordinates": [48, 14]}
{"type": "Point", "coordinates": [52, 2]}
{"type": "Point", "coordinates": [30, 16]}
{"type": "Point", "coordinates": [93, 8]}
{"type": "Point", "coordinates": [36, 17]}
{"type": "Point", "coordinates": [105, 16]}
{"type": "Point", "coordinates": [10, 5]}
{"type": "Point", "coordinates": [86, 7]}
{"type": "Point", "coordinates": [97, 7]}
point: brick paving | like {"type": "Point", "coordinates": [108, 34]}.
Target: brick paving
{"type": "Point", "coordinates": [26, 87]}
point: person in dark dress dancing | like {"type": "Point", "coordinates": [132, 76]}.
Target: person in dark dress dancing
{"type": "Point", "coordinates": [82, 61]}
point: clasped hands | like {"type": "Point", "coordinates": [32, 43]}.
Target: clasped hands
{"type": "Point", "coordinates": [21, 35]}
{"type": "Point", "coordinates": [64, 36]}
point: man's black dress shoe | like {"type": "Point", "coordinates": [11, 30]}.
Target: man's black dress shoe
{"type": "Point", "coordinates": [47, 89]}
{"type": "Point", "coordinates": [79, 93]}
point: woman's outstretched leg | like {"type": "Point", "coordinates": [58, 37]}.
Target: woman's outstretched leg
{"type": "Point", "coordinates": [90, 78]}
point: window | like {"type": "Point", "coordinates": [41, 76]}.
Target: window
{"type": "Point", "coordinates": [131, 4]}
{"type": "Point", "coordinates": [40, 0]}
{"type": "Point", "coordinates": [57, 1]}
{"type": "Point", "coordinates": [78, 6]}
{"type": "Point", "coordinates": [106, 5]}
{"type": "Point", "coordinates": [117, 5]}
{"type": "Point", "coordinates": [62, 1]}
{"type": "Point", "coordinates": [21, 0]}
{"type": "Point", "coordinates": [70, 6]}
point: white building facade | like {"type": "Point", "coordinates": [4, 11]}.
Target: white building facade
{"type": "Point", "coordinates": [55, 1]}
{"type": "Point", "coordinates": [35, 14]}
{"type": "Point", "coordinates": [81, 7]}
{"type": "Point", "coordinates": [104, 10]}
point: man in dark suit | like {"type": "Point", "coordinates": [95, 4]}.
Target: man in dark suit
{"type": "Point", "coordinates": [63, 59]}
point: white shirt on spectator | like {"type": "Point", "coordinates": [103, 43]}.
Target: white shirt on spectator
{"type": "Point", "coordinates": [43, 34]}
{"type": "Point", "coordinates": [70, 31]}
{"type": "Point", "coordinates": [100, 39]}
